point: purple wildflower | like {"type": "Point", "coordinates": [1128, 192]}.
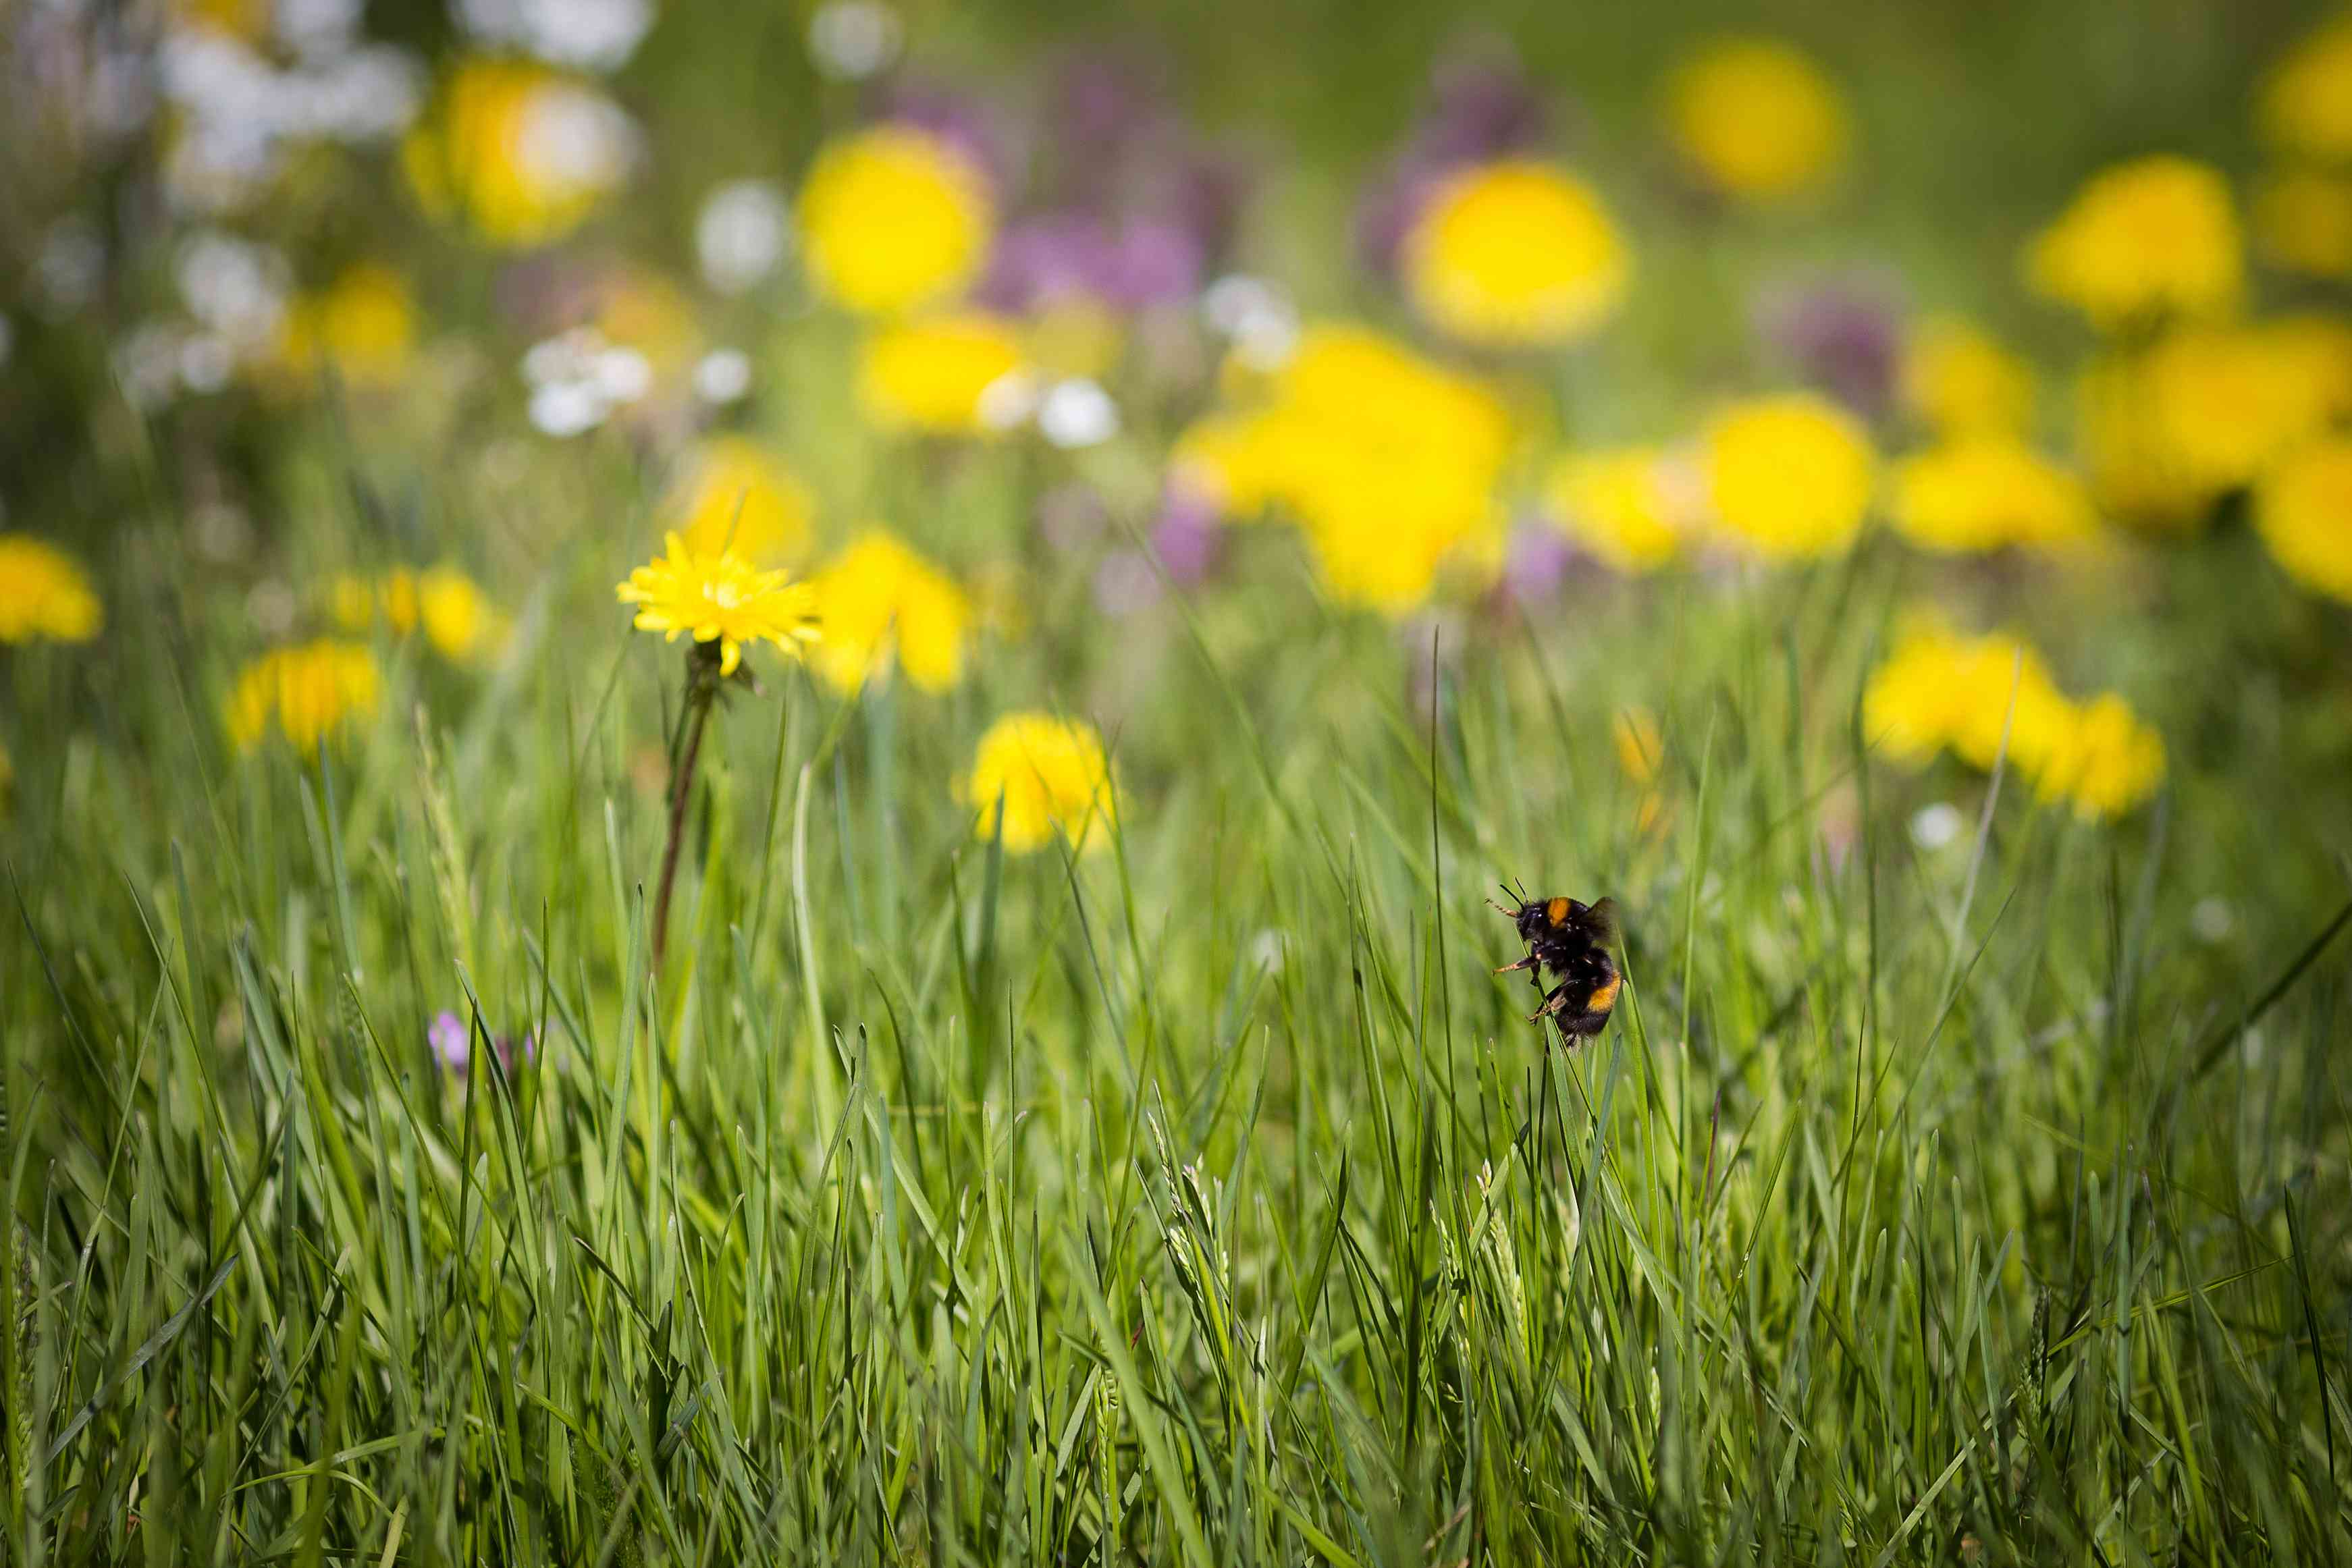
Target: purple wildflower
{"type": "Point", "coordinates": [452, 1042]}
{"type": "Point", "coordinates": [1537, 561]}
{"type": "Point", "coordinates": [1842, 332]}
{"type": "Point", "coordinates": [1188, 538]}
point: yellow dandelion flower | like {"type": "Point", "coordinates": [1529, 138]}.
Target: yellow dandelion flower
{"type": "Point", "coordinates": [931, 374]}
{"type": "Point", "coordinates": [2302, 222]}
{"type": "Point", "coordinates": [2303, 510]}
{"type": "Point", "coordinates": [305, 693]}
{"type": "Point", "coordinates": [2153, 237]}
{"type": "Point", "coordinates": [731, 494]}
{"type": "Point", "coordinates": [2102, 758]}
{"type": "Point", "coordinates": [1386, 460]}
{"type": "Point", "coordinates": [1049, 775]}
{"type": "Point", "coordinates": [1985, 492]}
{"type": "Point", "coordinates": [1640, 745]}
{"type": "Point", "coordinates": [2306, 102]}
{"type": "Point", "coordinates": [885, 605]}
{"type": "Point", "coordinates": [720, 597]}
{"type": "Point", "coordinates": [43, 595]}
{"type": "Point", "coordinates": [1757, 119]}
{"type": "Point", "coordinates": [457, 618]}
{"type": "Point", "coordinates": [1515, 254]}
{"type": "Point", "coordinates": [1939, 690]}
{"type": "Point", "coordinates": [1791, 475]}
{"type": "Point", "coordinates": [363, 326]}
{"type": "Point", "coordinates": [2227, 401]}
{"type": "Point", "coordinates": [892, 218]}
{"type": "Point", "coordinates": [1958, 380]}
{"type": "Point", "coordinates": [1619, 505]}
{"type": "Point", "coordinates": [520, 153]}
{"type": "Point", "coordinates": [2133, 470]}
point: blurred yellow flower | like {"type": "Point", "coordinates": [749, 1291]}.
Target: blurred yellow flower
{"type": "Point", "coordinates": [2101, 758]}
{"type": "Point", "coordinates": [1049, 775]}
{"type": "Point", "coordinates": [2227, 400]}
{"type": "Point", "coordinates": [1757, 119]}
{"type": "Point", "coordinates": [1960, 381]}
{"type": "Point", "coordinates": [1639, 743]}
{"type": "Point", "coordinates": [886, 606]}
{"type": "Point", "coordinates": [518, 153]}
{"type": "Point", "coordinates": [731, 494]}
{"type": "Point", "coordinates": [2306, 102]}
{"type": "Point", "coordinates": [304, 692]}
{"type": "Point", "coordinates": [1387, 461]}
{"type": "Point", "coordinates": [1617, 504]}
{"type": "Point", "coordinates": [1985, 492]}
{"type": "Point", "coordinates": [44, 594]}
{"type": "Point", "coordinates": [2303, 510]}
{"type": "Point", "coordinates": [2303, 221]}
{"type": "Point", "coordinates": [247, 20]}
{"type": "Point", "coordinates": [1639, 749]}
{"type": "Point", "coordinates": [2134, 472]}
{"type": "Point", "coordinates": [720, 597]}
{"type": "Point", "coordinates": [457, 617]}
{"type": "Point", "coordinates": [363, 326]}
{"type": "Point", "coordinates": [930, 374]}
{"type": "Point", "coordinates": [1514, 253]}
{"type": "Point", "coordinates": [1790, 475]}
{"type": "Point", "coordinates": [2153, 237]}
{"type": "Point", "coordinates": [1938, 690]}
{"type": "Point", "coordinates": [892, 218]}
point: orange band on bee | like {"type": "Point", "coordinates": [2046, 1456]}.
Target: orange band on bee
{"type": "Point", "coordinates": [1603, 996]}
{"type": "Point", "coordinates": [1556, 911]}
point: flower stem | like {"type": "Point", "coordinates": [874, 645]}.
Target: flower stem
{"type": "Point", "coordinates": [701, 692]}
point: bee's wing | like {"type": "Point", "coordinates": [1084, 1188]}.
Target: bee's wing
{"type": "Point", "coordinates": [1603, 918]}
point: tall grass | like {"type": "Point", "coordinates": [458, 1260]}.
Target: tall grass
{"type": "Point", "coordinates": [1201, 1199]}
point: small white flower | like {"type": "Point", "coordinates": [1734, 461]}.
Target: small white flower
{"type": "Point", "coordinates": [317, 26]}
{"type": "Point", "coordinates": [1077, 413]}
{"type": "Point", "coordinates": [234, 287]}
{"type": "Point", "coordinates": [2212, 919]}
{"type": "Point", "coordinates": [1933, 827]}
{"type": "Point", "coordinates": [208, 360]}
{"type": "Point", "coordinates": [722, 375]}
{"type": "Point", "coordinates": [570, 136]}
{"type": "Point", "coordinates": [592, 35]}
{"type": "Point", "coordinates": [741, 234]}
{"type": "Point", "coordinates": [850, 40]}
{"type": "Point", "coordinates": [563, 409]}
{"type": "Point", "coordinates": [621, 375]}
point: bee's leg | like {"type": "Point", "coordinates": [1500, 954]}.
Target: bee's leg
{"type": "Point", "coordinates": [1527, 963]}
{"type": "Point", "coordinates": [1555, 1000]}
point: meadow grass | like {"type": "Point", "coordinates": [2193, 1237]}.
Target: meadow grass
{"type": "Point", "coordinates": [1199, 1198]}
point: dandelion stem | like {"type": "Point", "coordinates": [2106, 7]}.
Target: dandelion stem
{"type": "Point", "coordinates": [701, 692]}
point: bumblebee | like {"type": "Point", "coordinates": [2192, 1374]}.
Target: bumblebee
{"type": "Point", "coordinates": [1570, 940]}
